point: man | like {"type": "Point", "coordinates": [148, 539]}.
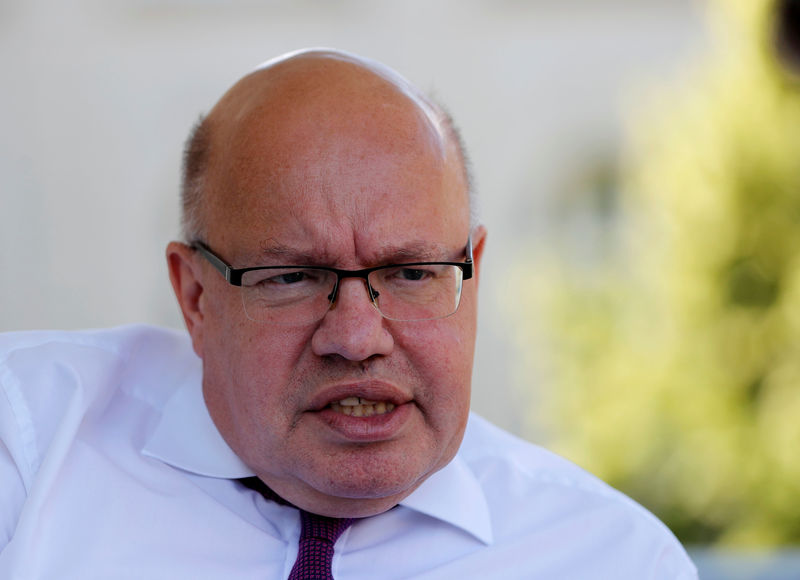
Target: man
{"type": "Point", "coordinates": [329, 285]}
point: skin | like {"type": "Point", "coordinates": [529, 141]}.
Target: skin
{"type": "Point", "coordinates": [323, 159]}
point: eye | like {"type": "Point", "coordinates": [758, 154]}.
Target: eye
{"type": "Point", "coordinates": [412, 274]}
{"type": "Point", "coordinates": [289, 277]}
{"type": "Point", "coordinates": [285, 278]}
{"type": "Point", "coordinates": [406, 275]}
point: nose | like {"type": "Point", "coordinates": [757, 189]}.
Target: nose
{"type": "Point", "coordinates": [352, 328]}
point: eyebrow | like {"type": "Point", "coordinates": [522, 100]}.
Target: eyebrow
{"type": "Point", "coordinates": [280, 254]}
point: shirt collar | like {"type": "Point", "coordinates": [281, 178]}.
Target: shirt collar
{"type": "Point", "coordinates": [454, 495]}
{"type": "Point", "coordinates": [187, 438]}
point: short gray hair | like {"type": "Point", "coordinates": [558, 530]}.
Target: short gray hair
{"type": "Point", "coordinates": [196, 153]}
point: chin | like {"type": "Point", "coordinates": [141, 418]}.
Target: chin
{"type": "Point", "coordinates": [359, 503]}
{"type": "Point", "coordinates": [374, 480]}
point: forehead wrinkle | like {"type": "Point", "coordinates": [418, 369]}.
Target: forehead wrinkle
{"type": "Point", "coordinates": [415, 251]}
{"type": "Point", "coordinates": [409, 251]}
{"type": "Point", "coordinates": [274, 252]}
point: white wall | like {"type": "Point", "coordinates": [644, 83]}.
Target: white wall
{"type": "Point", "coordinates": [97, 97]}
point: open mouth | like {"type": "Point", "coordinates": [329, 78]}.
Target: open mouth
{"type": "Point", "coordinates": [358, 407]}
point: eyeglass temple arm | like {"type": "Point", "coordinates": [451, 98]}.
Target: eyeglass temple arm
{"type": "Point", "coordinates": [468, 266]}
{"type": "Point", "coordinates": [215, 261]}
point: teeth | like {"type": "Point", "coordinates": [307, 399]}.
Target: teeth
{"type": "Point", "coordinates": [357, 407]}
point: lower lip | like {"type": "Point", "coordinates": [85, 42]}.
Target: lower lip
{"type": "Point", "coordinates": [367, 429]}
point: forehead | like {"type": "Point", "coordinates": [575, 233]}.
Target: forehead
{"type": "Point", "coordinates": [330, 150]}
{"type": "Point", "coordinates": [372, 207]}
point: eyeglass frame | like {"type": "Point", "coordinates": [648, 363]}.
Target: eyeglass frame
{"type": "Point", "coordinates": [234, 275]}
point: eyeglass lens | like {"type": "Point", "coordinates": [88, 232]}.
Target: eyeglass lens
{"type": "Point", "coordinates": [298, 296]}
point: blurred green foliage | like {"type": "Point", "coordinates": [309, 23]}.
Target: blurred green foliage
{"type": "Point", "coordinates": [672, 365]}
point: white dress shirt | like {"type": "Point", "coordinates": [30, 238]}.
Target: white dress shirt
{"type": "Point", "coordinates": [111, 468]}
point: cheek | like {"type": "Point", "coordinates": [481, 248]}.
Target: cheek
{"type": "Point", "coordinates": [441, 352]}
{"type": "Point", "coordinates": [264, 358]}
{"type": "Point", "coordinates": [447, 359]}
{"type": "Point", "coordinates": [238, 343]}
{"type": "Point", "coordinates": [450, 342]}
{"type": "Point", "coordinates": [248, 384]}
{"type": "Point", "coordinates": [245, 363]}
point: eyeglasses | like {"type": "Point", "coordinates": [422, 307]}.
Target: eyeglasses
{"type": "Point", "coordinates": [294, 295]}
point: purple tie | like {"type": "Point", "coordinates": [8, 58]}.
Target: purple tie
{"type": "Point", "coordinates": [317, 537]}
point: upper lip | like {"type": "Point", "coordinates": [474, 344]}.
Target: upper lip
{"type": "Point", "coordinates": [371, 390]}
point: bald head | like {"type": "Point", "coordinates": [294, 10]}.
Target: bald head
{"type": "Point", "coordinates": [305, 103]}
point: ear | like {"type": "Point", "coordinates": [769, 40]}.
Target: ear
{"type": "Point", "coordinates": [478, 244]}
{"type": "Point", "coordinates": [184, 273]}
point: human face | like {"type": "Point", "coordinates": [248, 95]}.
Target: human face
{"type": "Point", "coordinates": [350, 194]}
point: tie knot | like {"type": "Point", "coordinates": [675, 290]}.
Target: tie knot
{"type": "Point", "coordinates": [322, 527]}
{"type": "Point", "coordinates": [317, 537]}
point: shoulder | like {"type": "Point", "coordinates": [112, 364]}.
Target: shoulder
{"type": "Point", "coordinates": [54, 343]}
{"type": "Point", "coordinates": [51, 380]}
{"type": "Point", "coordinates": [487, 446]}
{"type": "Point", "coordinates": [46, 367]}
{"type": "Point", "coordinates": [536, 494]}
{"type": "Point", "coordinates": [518, 468]}
{"type": "Point", "coordinates": [34, 356]}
